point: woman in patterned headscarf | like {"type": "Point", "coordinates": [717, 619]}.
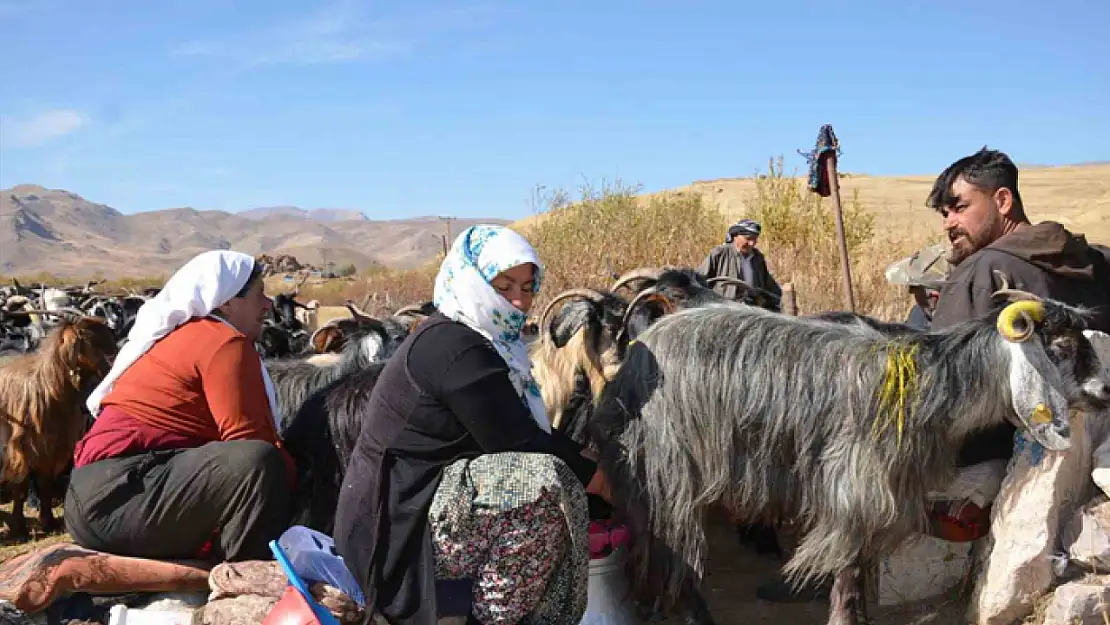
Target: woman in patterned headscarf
{"type": "Point", "coordinates": [457, 473]}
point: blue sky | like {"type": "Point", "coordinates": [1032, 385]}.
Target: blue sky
{"type": "Point", "coordinates": [463, 107]}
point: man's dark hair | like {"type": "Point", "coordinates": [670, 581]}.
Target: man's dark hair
{"type": "Point", "coordinates": [989, 170]}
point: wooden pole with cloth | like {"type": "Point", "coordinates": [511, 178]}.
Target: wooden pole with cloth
{"type": "Point", "coordinates": [824, 181]}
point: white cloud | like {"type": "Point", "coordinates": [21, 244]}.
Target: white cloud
{"type": "Point", "coordinates": [339, 33]}
{"type": "Point", "coordinates": [35, 130]}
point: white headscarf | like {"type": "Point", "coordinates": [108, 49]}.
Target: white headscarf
{"type": "Point", "coordinates": [204, 283]}
{"type": "Point", "coordinates": [463, 293]}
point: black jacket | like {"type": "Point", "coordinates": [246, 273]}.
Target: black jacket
{"type": "Point", "coordinates": [445, 395]}
{"type": "Point", "coordinates": [1044, 259]}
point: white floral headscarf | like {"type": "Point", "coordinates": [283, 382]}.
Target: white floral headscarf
{"type": "Point", "coordinates": [463, 293]}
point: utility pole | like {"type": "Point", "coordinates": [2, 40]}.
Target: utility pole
{"type": "Point", "coordinates": [447, 223]}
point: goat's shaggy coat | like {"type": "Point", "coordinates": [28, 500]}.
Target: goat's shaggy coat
{"type": "Point", "coordinates": [296, 379]}
{"type": "Point", "coordinates": [836, 425]}
{"type": "Point", "coordinates": [42, 397]}
{"type": "Point", "coordinates": [321, 437]}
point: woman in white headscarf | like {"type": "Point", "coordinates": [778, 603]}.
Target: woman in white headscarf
{"type": "Point", "coordinates": [184, 458]}
{"type": "Point", "coordinates": [457, 473]}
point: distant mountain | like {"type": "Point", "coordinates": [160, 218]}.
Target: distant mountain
{"type": "Point", "coordinates": [59, 232]}
{"type": "Point", "coordinates": [316, 214]}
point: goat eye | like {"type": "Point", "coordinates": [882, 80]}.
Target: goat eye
{"type": "Point", "coordinates": [1062, 348]}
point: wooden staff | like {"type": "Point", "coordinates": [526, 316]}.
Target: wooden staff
{"type": "Point", "coordinates": [789, 300]}
{"type": "Point", "coordinates": [829, 156]}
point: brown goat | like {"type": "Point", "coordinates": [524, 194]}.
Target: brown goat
{"type": "Point", "coordinates": [42, 408]}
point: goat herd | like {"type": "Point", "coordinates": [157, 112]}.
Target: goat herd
{"type": "Point", "coordinates": [836, 421]}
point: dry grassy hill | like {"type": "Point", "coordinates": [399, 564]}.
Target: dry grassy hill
{"type": "Point", "coordinates": [886, 219]}
{"type": "Point", "coordinates": [1077, 196]}
{"type": "Point", "coordinates": [59, 232]}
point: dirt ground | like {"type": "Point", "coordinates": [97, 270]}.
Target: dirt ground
{"type": "Point", "coordinates": [734, 573]}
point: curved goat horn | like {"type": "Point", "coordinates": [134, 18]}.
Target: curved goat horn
{"type": "Point", "coordinates": [1029, 312]}
{"type": "Point", "coordinates": [645, 295]}
{"type": "Point", "coordinates": [642, 273]}
{"type": "Point", "coordinates": [734, 281]}
{"type": "Point", "coordinates": [740, 283]}
{"type": "Point", "coordinates": [1013, 295]}
{"type": "Point", "coordinates": [365, 318]}
{"type": "Point", "coordinates": [411, 309]}
{"type": "Point", "coordinates": [588, 294]}
{"type": "Point", "coordinates": [356, 311]}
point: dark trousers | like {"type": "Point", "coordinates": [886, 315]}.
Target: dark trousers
{"type": "Point", "coordinates": [167, 504]}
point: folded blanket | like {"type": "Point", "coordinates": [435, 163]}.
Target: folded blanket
{"type": "Point", "coordinates": [240, 591]}
{"type": "Point", "coordinates": [34, 580]}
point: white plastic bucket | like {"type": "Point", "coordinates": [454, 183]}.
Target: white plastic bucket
{"type": "Point", "coordinates": [608, 601]}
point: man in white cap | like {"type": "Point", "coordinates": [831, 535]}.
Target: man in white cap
{"type": "Point", "coordinates": [738, 258]}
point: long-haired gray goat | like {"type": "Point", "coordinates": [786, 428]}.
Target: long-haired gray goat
{"type": "Point", "coordinates": [837, 425]}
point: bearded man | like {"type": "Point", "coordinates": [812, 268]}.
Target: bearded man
{"type": "Point", "coordinates": [985, 220]}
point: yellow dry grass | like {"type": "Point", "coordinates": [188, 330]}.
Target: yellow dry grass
{"type": "Point", "coordinates": [10, 548]}
{"type": "Point", "coordinates": [1077, 196]}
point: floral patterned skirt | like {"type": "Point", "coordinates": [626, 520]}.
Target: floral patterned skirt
{"type": "Point", "coordinates": [517, 525]}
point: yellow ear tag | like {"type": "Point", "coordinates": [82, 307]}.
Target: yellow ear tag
{"type": "Point", "coordinates": [1041, 415]}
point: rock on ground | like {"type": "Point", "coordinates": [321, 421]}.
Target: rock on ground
{"type": "Point", "coordinates": [1087, 535]}
{"type": "Point", "coordinates": [1085, 602]}
{"type": "Point", "coordinates": [1041, 492]}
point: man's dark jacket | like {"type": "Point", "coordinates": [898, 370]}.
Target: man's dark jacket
{"type": "Point", "coordinates": [724, 261]}
{"type": "Point", "coordinates": [1044, 259]}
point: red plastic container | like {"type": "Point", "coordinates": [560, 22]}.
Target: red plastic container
{"type": "Point", "coordinates": [291, 609]}
{"type": "Point", "coordinates": [605, 536]}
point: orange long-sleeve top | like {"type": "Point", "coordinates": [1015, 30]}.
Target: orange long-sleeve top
{"type": "Point", "coordinates": [200, 383]}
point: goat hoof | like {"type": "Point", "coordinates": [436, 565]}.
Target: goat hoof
{"type": "Point", "coordinates": [49, 526]}
{"type": "Point", "coordinates": [18, 531]}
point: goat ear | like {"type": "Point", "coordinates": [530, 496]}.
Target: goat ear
{"type": "Point", "coordinates": [570, 320]}
{"type": "Point", "coordinates": [69, 335]}
{"type": "Point", "coordinates": [324, 338]}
